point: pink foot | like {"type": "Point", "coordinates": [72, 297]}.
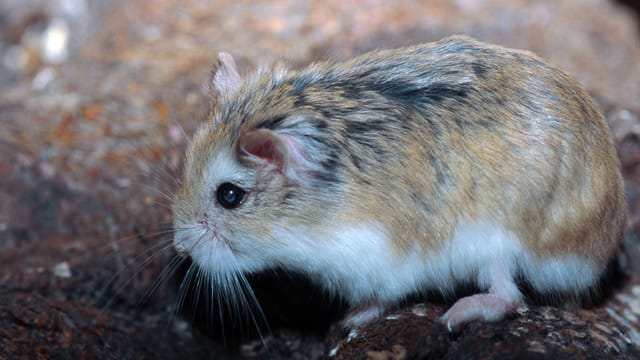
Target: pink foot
{"type": "Point", "coordinates": [486, 307]}
{"type": "Point", "coordinates": [502, 298]}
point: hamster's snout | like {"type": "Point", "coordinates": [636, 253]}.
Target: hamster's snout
{"type": "Point", "coordinates": [204, 221]}
{"type": "Point", "coordinates": [208, 226]}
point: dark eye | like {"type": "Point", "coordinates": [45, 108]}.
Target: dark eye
{"type": "Point", "coordinates": [230, 195]}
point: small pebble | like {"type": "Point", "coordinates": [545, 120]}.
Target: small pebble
{"type": "Point", "coordinates": [352, 335]}
{"type": "Point", "coordinates": [62, 270]}
{"type": "Point", "coordinates": [419, 310]}
{"type": "Point", "coordinates": [55, 42]}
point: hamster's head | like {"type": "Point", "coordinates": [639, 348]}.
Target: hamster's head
{"type": "Point", "coordinates": [256, 166]}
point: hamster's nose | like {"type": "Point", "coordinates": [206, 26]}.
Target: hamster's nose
{"type": "Point", "coordinates": [208, 225]}
{"type": "Point", "coordinates": [204, 220]}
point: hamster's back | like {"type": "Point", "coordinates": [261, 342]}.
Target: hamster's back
{"type": "Point", "coordinates": [464, 130]}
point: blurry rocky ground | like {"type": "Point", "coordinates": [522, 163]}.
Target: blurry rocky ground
{"type": "Point", "coordinates": [97, 99]}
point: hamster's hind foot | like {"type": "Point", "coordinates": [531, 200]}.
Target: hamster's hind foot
{"type": "Point", "coordinates": [486, 307]}
{"type": "Point", "coordinates": [502, 298]}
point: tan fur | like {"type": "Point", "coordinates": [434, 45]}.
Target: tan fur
{"type": "Point", "coordinates": [421, 139]}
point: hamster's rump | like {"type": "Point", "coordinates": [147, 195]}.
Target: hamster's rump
{"type": "Point", "coordinates": [447, 162]}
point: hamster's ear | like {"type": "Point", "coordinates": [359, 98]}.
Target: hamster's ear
{"type": "Point", "coordinates": [280, 151]}
{"type": "Point", "coordinates": [224, 77]}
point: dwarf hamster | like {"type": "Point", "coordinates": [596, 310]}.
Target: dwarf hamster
{"type": "Point", "coordinates": [404, 170]}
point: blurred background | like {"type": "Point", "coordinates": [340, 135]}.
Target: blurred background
{"type": "Point", "coordinates": [97, 98]}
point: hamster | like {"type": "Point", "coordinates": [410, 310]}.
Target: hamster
{"type": "Point", "coordinates": [400, 171]}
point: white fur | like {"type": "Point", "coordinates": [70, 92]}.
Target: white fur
{"type": "Point", "coordinates": [185, 239]}
{"type": "Point", "coordinates": [358, 262]}
{"type": "Point", "coordinates": [224, 168]}
{"type": "Point", "coordinates": [303, 155]}
{"type": "Point", "coordinates": [567, 274]}
{"type": "Point", "coordinates": [203, 242]}
{"type": "Point", "coordinates": [206, 250]}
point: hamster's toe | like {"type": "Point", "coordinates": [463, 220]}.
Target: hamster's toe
{"type": "Point", "coordinates": [486, 307]}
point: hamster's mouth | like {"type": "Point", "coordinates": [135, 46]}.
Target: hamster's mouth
{"type": "Point", "coordinates": [211, 232]}
{"type": "Point", "coordinates": [221, 241]}
{"type": "Point", "coordinates": [190, 241]}
{"type": "Point", "coordinates": [214, 237]}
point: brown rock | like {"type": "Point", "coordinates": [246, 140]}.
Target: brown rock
{"type": "Point", "coordinates": [92, 143]}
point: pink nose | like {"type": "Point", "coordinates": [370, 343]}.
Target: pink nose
{"type": "Point", "coordinates": [208, 225]}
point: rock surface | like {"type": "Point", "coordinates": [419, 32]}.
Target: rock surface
{"type": "Point", "coordinates": [97, 99]}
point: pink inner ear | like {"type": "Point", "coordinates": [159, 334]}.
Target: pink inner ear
{"type": "Point", "coordinates": [265, 145]}
{"type": "Point", "coordinates": [282, 151]}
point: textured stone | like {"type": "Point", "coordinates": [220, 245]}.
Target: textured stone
{"type": "Point", "coordinates": [97, 101]}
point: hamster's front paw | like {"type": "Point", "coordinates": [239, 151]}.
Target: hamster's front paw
{"type": "Point", "coordinates": [362, 315]}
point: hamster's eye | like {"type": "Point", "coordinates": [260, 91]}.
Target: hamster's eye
{"type": "Point", "coordinates": [230, 195]}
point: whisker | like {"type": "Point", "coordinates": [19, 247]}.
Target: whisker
{"type": "Point", "coordinates": [112, 246]}
{"type": "Point", "coordinates": [227, 294]}
{"type": "Point", "coordinates": [185, 284]}
{"type": "Point", "coordinates": [252, 300]}
{"type": "Point", "coordinates": [209, 293]}
{"type": "Point", "coordinates": [165, 274]}
{"type": "Point", "coordinates": [183, 132]}
{"type": "Point", "coordinates": [221, 312]}
{"type": "Point", "coordinates": [197, 285]}
{"type": "Point", "coordinates": [141, 267]}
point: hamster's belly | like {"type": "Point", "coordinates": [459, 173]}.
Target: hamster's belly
{"type": "Point", "coordinates": [359, 263]}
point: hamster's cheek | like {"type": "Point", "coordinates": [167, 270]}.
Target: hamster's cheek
{"type": "Point", "coordinates": [185, 239]}
{"type": "Point", "coordinates": [203, 248]}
